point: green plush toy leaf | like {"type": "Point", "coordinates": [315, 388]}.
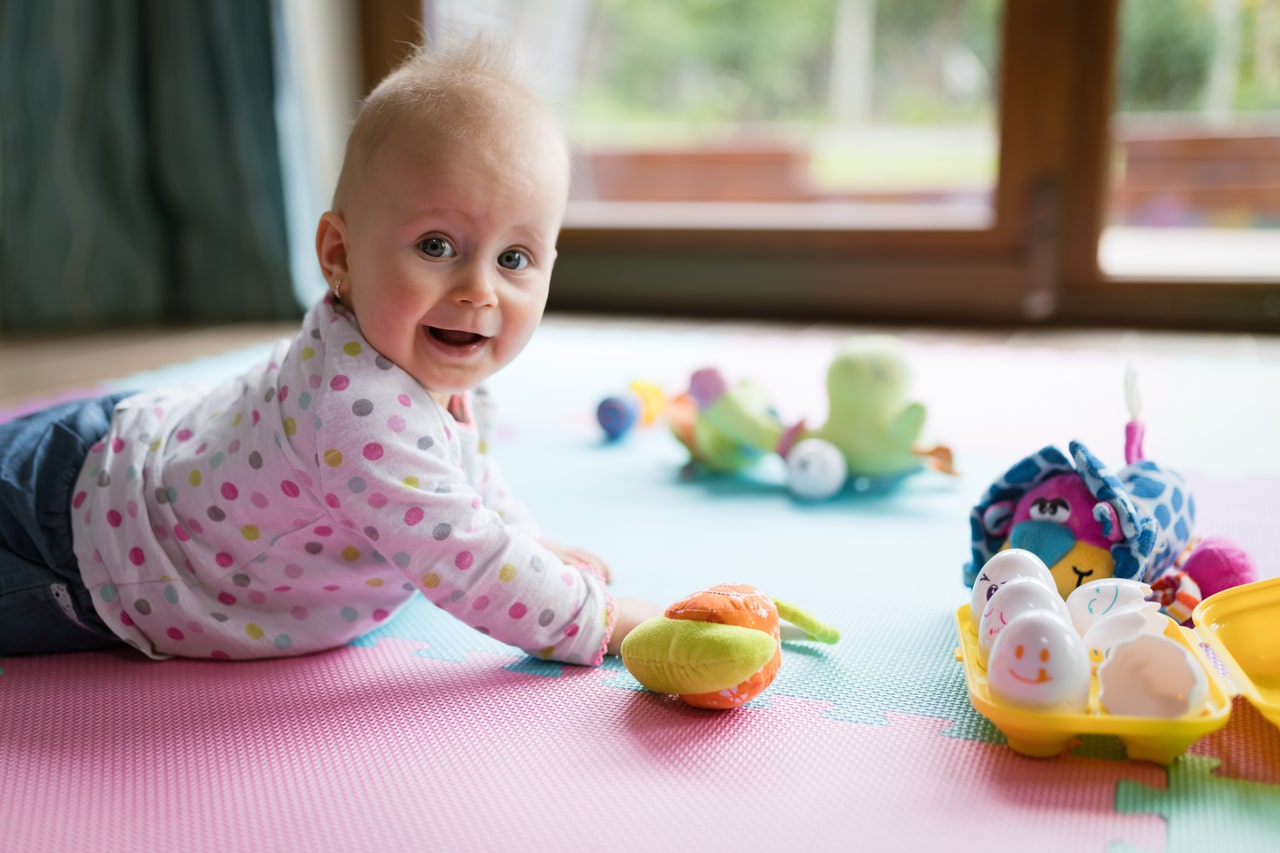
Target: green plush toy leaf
{"type": "Point", "coordinates": [813, 629]}
{"type": "Point", "coordinates": [684, 656]}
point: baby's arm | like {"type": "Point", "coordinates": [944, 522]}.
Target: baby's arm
{"type": "Point", "coordinates": [491, 484]}
{"type": "Point", "coordinates": [498, 496]}
{"type": "Point", "coordinates": [406, 488]}
{"type": "Point", "coordinates": [628, 613]}
{"type": "Point", "coordinates": [579, 557]}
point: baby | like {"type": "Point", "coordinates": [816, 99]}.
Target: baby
{"type": "Point", "coordinates": [301, 504]}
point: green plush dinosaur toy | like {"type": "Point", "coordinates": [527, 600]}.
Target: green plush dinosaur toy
{"type": "Point", "coordinates": [869, 420]}
{"type": "Point", "coordinates": [871, 433]}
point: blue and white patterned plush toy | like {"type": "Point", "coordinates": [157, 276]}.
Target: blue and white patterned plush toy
{"type": "Point", "coordinates": [1087, 522]}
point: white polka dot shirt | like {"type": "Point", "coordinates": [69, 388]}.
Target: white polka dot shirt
{"type": "Point", "coordinates": [301, 504]}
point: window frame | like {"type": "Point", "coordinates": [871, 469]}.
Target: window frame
{"type": "Point", "coordinates": [1036, 262]}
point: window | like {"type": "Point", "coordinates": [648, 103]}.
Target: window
{"type": "Point", "coordinates": [919, 160]}
{"type": "Point", "coordinates": [818, 113]}
{"type": "Point", "coordinates": [1195, 184]}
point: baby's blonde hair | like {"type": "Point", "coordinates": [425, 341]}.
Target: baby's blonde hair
{"type": "Point", "coordinates": [472, 93]}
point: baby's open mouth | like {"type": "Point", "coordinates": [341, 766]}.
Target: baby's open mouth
{"type": "Point", "coordinates": [454, 337]}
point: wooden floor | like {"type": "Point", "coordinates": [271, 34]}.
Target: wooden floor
{"type": "Point", "coordinates": [41, 367]}
{"type": "Point", "coordinates": [46, 366]}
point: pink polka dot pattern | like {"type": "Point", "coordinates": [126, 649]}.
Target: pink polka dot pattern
{"type": "Point", "coordinates": [302, 504]}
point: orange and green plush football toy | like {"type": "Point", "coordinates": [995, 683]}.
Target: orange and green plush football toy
{"type": "Point", "coordinates": [718, 648]}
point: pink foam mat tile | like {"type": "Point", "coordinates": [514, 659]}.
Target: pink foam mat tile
{"type": "Point", "coordinates": [425, 735]}
{"type": "Point", "coordinates": [367, 748]}
{"type": "Point", "coordinates": [1247, 748]}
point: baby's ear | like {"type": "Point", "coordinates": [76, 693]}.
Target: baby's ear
{"type": "Point", "coordinates": [1105, 514]}
{"type": "Point", "coordinates": [331, 245]}
{"type": "Point", "coordinates": [997, 518]}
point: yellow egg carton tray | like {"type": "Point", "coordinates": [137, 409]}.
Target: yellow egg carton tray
{"type": "Point", "coordinates": [1242, 627]}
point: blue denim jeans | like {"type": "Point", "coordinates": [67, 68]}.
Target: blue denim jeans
{"type": "Point", "coordinates": [44, 605]}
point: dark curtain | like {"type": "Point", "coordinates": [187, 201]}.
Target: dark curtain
{"type": "Point", "coordinates": [140, 179]}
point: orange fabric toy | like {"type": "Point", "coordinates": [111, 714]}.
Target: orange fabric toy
{"type": "Point", "coordinates": [717, 648]}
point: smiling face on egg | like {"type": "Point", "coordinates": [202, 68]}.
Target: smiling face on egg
{"type": "Point", "coordinates": [1038, 662]}
{"type": "Point", "coordinates": [1016, 596]}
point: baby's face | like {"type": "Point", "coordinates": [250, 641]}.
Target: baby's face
{"type": "Point", "coordinates": [450, 248]}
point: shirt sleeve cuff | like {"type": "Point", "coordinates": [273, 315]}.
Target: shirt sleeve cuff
{"type": "Point", "coordinates": [586, 639]}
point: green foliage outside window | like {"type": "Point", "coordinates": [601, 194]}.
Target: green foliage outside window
{"type": "Point", "coordinates": [762, 61]}
{"type": "Point", "coordinates": [721, 63]}
{"type": "Point", "coordinates": [1168, 49]}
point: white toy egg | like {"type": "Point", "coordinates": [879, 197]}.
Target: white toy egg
{"type": "Point", "coordinates": [1038, 662]}
{"type": "Point", "coordinates": [816, 470]}
{"type": "Point", "coordinates": [1152, 676]}
{"type": "Point", "coordinates": [1004, 565]}
{"type": "Point", "coordinates": [1015, 596]}
{"type": "Point", "coordinates": [1096, 599]}
{"type": "Point", "coordinates": [1120, 625]}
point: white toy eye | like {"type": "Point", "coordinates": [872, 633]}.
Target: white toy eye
{"type": "Point", "coordinates": [1050, 509]}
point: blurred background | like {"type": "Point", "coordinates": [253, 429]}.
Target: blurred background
{"type": "Point", "coordinates": [977, 162]}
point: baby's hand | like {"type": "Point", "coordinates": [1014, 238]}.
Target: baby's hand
{"type": "Point", "coordinates": [577, 556]}
{"type": "Point", "coordinates": [627, 614]}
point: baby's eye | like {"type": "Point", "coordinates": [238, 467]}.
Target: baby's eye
{"type": "Point", "coordinates": [437, 247]}
{"type": "Point", "coordinates": [513, 259]}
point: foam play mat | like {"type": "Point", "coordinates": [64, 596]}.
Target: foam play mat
{"type": "Point", "coordinates": [426, 735]}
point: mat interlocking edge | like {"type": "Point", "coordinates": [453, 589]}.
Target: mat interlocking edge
{"type": "Point", "coordinates": [426, 735]}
